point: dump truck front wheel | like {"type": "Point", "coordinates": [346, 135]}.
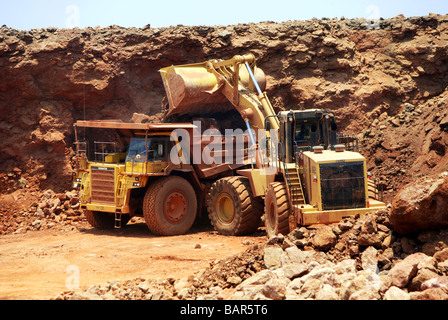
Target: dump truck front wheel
{"type": "Point", "coordinates": [170, 206]}
{"type": "Point", "coordinates": [277, 209]}
{"type": "Point", "coordinates": [233, 210]}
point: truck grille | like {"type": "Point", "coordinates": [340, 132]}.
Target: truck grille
{"type": "Point", "coordinates": [103, 184]}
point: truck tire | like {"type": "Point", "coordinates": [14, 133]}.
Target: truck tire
{"type": "Point", "coordinates": [233, 210]}
{"type": "Point", "coordinates": [277, 209]}
{"type": "Point", "coordinates": [104, 220]}
{"type": "Point", "coordinates": [170, 206]}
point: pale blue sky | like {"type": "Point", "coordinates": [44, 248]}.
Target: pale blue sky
{"type": "Point", "coordinates": [29, 14]}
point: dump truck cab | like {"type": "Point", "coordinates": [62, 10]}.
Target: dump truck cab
{"type": "Point", "coordinates": [148, 155]}
{"type": "Point", "coordinates": [108, 179]}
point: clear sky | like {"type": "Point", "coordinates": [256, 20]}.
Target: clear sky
{"type": "Point", "coordinates": [29, 14]}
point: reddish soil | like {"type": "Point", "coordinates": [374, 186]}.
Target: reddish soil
{"type": "Point", "coordinates": [34, 264]}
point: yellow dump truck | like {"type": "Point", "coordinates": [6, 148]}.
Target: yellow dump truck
{"type": "Point", "coordinates": [129, 169]}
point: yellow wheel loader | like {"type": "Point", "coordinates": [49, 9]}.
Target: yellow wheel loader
{"type": "Point", "coordinates": [303, 170]}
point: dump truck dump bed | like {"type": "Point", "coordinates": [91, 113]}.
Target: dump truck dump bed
{"type": "Point", "coordinates": [209, 155]}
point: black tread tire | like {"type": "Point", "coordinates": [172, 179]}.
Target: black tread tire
{"type": "Point", "coordinates": [277, 209]}
{"type": "Point", "coordinates": [247, 209]}
{"type": "Point", "coordinates": [153, 206]}
{"type": "Point", "coordinates": [104, 220]}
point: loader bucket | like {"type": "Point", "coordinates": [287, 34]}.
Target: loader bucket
{"type": "Point", "coordinates": [193, 89]}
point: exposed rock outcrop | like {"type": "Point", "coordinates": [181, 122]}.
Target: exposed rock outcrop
{"type": "Point", "coordinates": [51, 77]}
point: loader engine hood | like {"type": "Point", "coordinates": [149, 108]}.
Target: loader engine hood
{"type": "Point", "coordinates": [338, 179]}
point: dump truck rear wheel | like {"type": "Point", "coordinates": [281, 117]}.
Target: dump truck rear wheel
{"type": "Point", "coordinates": [233, 210]}
{"type": "Point", "coordinates": [277, 209]}
{"type": "Point", "coordinates": [104, 220]}
{"type": "Point", "coordinates": [170, 206]}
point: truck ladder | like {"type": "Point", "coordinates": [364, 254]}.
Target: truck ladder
{"type": "Point", "coordinates": [118, 215]}
{"type": "Point", "coordinates": [119, 202]}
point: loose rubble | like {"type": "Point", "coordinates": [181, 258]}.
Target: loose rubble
{"type": "Point", "coordinates": [360, 258]}
{"type": "Point", "coordinates": [47, 210]}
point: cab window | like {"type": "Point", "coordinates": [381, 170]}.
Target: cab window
{"type": "Point", "coordinates": [156, 151]}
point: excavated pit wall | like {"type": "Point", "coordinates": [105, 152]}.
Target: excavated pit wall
{"type": "Point", "coordinates": [386, 83]}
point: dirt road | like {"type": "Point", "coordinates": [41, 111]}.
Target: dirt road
{"type": "Point", "coordinates": [40, 264]}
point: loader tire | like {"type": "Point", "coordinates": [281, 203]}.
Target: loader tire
{"type": "Point", "coordinates": [170, 206]}
{"type": "Point", "coordinates": [232, 208]}
{"type": "Point", "coordinates": [277, 209]}
{"type": "Point", "coordinates": [104, 220]}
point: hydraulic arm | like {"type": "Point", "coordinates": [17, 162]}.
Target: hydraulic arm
{"type": "Point", "coordinates": [238, 80]}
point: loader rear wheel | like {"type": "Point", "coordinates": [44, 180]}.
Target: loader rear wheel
{"type": "Point", "coordinates": [233, 210]}
{"type": "Point", "coordinates": [170, 206]}
{"type": "Point", "coordinates": [104, 220]}
{"type": "Point", "coordinates": [277, 209]}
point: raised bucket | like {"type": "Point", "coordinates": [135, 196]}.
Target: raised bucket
{"type": "Point", "coordinates": [192, 89]}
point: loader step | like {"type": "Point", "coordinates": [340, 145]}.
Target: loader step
{"type": "Point", "coordinates": [294, 185]}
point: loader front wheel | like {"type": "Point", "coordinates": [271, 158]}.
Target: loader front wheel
{"type": "Point", "coordinates": [277, 209]}
{"type": "Point", "coordinates": [170, 206]}
{"type": "Point", "coordinates": [233, 210]}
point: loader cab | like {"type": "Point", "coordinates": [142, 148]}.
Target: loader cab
{"type": "Point", "coordinates": [302, 130]}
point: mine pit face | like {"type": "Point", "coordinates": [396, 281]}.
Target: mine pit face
{"type": "Point", "coordinates": [387, 85]}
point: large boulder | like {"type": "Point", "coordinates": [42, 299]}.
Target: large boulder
{"type": "Point", "coordinates": [420, 206]}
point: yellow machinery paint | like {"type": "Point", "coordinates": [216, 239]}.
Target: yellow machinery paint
{"type": "Point", "coordinates": [206, 87]}
{"type": "Point", "coordinates": [313, 212]}
{"type": "Point", "coordinates": [293, 191]}
{"type": "Point", "coordinates": [117, 171]}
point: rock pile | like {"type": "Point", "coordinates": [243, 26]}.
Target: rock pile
{"type": "Point", "coordinates": [408, 144]}
{"type": "Point", "coordinates": [370, 275]}
{"type": "Point", "coordinates": [49, 210]}
{"type": "Point", "coordinates": [360, 258]}
{"type": "Point", "coordinates": [214, 283]}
